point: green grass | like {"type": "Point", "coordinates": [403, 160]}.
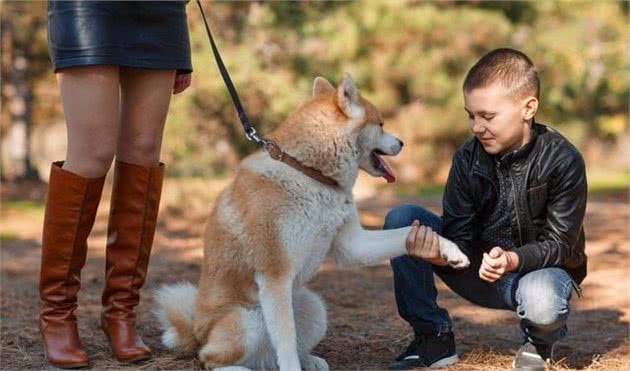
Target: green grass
{"type": "Point", "coordinates": [598, 181]}
{"type": "Point", "coordinates": [609, 181]}
{"type": "Point", "coordinates": [8, 236]}
{"type": "Point", "coordinates": [420, 190]}
{"type": "Point", "coordinates": [22, 205]}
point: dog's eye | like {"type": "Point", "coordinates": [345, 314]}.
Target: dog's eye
{"type": "Point", "coordinates": [380, 124]}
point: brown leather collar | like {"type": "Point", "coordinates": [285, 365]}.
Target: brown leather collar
{"type": "Point", "coordinates": [278, 154]}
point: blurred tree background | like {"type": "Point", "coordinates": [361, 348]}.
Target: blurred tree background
{"type": "Point", "coordinates": [408, 57]}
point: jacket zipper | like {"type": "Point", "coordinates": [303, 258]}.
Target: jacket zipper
{"type": "Point", "coordinates": [518, 222]}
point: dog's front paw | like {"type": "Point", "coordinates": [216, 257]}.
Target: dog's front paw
{"type": "Point", "coordinates": [312, 362]}
{"type": "Point", "coordinates": [453, 255]}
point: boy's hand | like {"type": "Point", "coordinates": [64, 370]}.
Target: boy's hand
{"type": "Point", "coordinates": [424, 243]}
{"type": "Point", "coordinates": [496, 263]}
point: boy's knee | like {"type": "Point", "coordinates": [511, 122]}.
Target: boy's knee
{"type": "Point", "coordinates": [399, 217]}
{"type": "Point", "coordinates": [403, 215]}
{"type": "Point", "coordinates": [541, 306]}
{"type": "Point", "coordinates": [549, 316]}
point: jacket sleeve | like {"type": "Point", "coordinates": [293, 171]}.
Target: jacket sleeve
{"type": "Point", "coordinates": [566, 206]}
{"type": "Point", "coordinates": [457, 204]}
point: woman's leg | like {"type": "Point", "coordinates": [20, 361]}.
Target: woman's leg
{"type": "Point", "coordinates": [146, 95]}
{"type": "Point", "coordinates": [134, 207]}
{"type": "Point", "coordinates": [90, 97]}
{"type": "Point", "coordinates": [90, 102]}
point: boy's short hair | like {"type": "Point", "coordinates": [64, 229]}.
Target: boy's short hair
{"type": "Point", "coordinates": [513, 69]}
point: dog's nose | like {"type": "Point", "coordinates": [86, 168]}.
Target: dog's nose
{"type": "Point", "coordinates": [401, 143]}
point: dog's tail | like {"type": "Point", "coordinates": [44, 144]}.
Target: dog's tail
{"type": "Point", "coordinates": [175, 310]}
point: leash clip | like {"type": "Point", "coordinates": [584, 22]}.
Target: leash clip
{"type": "Point", "coordinates": [252, 136]}
{"type": "Point", "coordinates": [271, 147]}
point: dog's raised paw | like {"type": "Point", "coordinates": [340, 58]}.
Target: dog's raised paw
{"type": "Point", "coordinates": [460, 263]}
{"type": "Point", "coordinates": [312, 362]}
{"type": "Point", "coordinates": [454, 256]}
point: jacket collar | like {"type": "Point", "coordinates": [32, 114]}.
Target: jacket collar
{"type": "Point", "coordinates": [483, 162]}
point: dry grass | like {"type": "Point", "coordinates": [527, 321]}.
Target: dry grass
{"type": "Point", "coordinates": [365, 331]}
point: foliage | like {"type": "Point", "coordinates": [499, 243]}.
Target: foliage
{"type": "Point", "coordinates": [408, 57]}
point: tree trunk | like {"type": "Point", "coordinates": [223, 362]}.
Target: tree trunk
{"type": "Point", "coordinates": [20, 166]}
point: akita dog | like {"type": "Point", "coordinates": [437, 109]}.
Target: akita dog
{"type": "Point", "coordinates": [270, 230]}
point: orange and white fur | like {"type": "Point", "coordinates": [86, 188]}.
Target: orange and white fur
{"type": "Point", "coordinates": [270, 230]}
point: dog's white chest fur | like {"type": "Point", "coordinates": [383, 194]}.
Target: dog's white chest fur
{"type": "Point", "coordinates": [313, 220]}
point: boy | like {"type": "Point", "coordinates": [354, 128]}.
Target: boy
{"type": "Point", "coordinates": [514, 203]}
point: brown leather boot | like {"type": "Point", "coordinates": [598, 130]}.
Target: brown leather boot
{"type": "Point", "coordinates": [132, 220]}
{"type": "Point", "coordinates": [71, 207]}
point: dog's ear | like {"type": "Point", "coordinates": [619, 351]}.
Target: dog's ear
{"type": "Point", "coordinates": [321, 86]}
{"type": "Point", "coordinates": [348, 98]}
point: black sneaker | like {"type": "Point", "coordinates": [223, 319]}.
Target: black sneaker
{"type": "Point", "coordinates": [412, 348]}
{"type": "Point", "coordinates": [427, 350]}
{"type": "Point", "coordinates": [532, 357]}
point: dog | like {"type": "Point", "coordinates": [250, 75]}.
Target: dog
{"type": "Point", "coordinates": [270, 230]}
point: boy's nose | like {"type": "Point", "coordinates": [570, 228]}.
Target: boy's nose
{"type": "Point", "coordinates": [477, 128]}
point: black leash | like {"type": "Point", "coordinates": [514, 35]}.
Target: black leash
{"type": "Point", "coordinates": [269, 145]}
{"type": "Point", "coordinates": [250, 132]}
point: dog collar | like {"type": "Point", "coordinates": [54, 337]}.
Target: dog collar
{"type": "Point", "coordinates": [278, 154]}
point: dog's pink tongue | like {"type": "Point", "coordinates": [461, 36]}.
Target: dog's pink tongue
{"type": "Point", "coordinates": [389, 173]}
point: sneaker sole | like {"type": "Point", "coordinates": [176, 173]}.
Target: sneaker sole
{"type": "Point", "coordinates": [526, 368]}
{"type": "Point", "coordinates": [445, 361]}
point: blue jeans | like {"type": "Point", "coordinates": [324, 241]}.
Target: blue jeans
{"type": "Point", "coordinates": [540, 298]}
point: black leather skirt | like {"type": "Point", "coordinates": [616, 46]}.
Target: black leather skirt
{"type": "Point", "coordinates": [141, 34]}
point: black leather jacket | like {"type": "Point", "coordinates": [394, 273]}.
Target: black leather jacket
{"type": "Point", "coordinates": [549, 188]}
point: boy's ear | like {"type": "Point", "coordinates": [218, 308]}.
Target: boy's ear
{"type": "Point", "coordinates": [321, 86]}
{"type": "Point", "coordinates": [348, 98]}
{"type": "Point", "coordinates": [530, 107]}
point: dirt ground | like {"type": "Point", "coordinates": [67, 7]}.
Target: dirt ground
{"type": "Point", "coordinates": [365, 331]}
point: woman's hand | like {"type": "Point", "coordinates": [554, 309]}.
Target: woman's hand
{"type": "Point", "coordinates": [181, 83]}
